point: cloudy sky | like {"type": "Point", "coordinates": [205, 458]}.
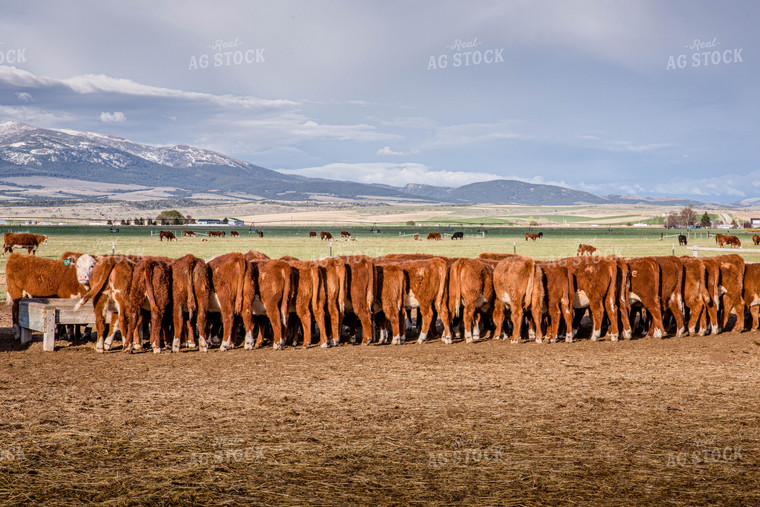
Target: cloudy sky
{"type": "Point", "coordinates": [626, 97]}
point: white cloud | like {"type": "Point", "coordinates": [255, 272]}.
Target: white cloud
{"type": "Point", "coordinates": [115, 117]}
{"type": "Point", "coordinates": [386, 150]}
{"type": "Point", "coordinates": [24, 97]}
{"type": "Point", "coordinates": [393, 174]}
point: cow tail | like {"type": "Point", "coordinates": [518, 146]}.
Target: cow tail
{"type": "Point", "coordinates": [315, 287]}
{"type": "Point", "coordinates": [456, 297]}
{"type": "Point", "coordinates": [96, 287]}
{"type": "Point", "coordinates": [537, 296]}
{"type": "Point", "coordinates": [288, 275]}
{"type": "Point", "coordinates": [440, 297]}
{"type": "Point", "coordinates": [342, 289]}
{"type": "Point", "coordinates": [370, 286]}
{"type": "Point", "coordinates": [148, 277]}
{"type": "Point", "coordinates": [243, 268]}
{"type": "Point", "coordinates": [529, 289]}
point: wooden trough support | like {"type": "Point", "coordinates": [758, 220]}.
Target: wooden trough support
{"type": "Point", "coordinates": [46, 314]}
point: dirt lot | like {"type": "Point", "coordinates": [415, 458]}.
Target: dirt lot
{"type": "Point", "coordinates": [646, 421]}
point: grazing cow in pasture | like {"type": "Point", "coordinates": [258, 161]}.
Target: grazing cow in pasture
{"type": "Point", "coordinates": [229, 275]}
{"type": "Point", "coordinates": [325, 235]}
{"type": "Point", "coordinates": [216, 234]}
{"type": "Point", "coordinates": [426, 291]}
{"type": "Point", "coordinates": [345, 234]}
{"type": "Point", "coordinates": [585, 249]}
{"type": "Point", "coordinates": [312, 234]}
{"type": "Point", "coordinates": [593, 285]}
{"type": "Point", "coordinates": [234, 234]}
{"type": "Point", "coordinates": [434, 235]}
{"type": "Point", "coordinates": [756, 239]}
{"type": "Point", "coordinates": [518, 287]}
{"type": "Point", "coordinates": [260, 233]}
{"type": "Point", "coordinates": [188, 233]}
{"type": "Point", "coordinates": [416, 237]}
{"type": "Point", "coordinates": [360, 293]}
{"type": "Point", "coordinates": [27, 276]}
{"type": "Point", "coordinates": [644, 276]}
{"type": "Point", "coordinates": [22, 240]}
{"type": "Point", "coordinates": [150, 290]}
{"type": "Point", "coordinates": [166, 234]}
{"type": "Point", "coordinates": [191, 289]}
{"type": "Point", "coordinates": [732, 241]}
{"type": "Point", "coordinates": [458, 235]}
{"type": "Point", "coordinates": [388, 307]}
{"type": "Point", "coordinates": [682, 240]}
{"type": "Point", "coordinates": [533, 236]}
{"type": "Point", "coordinates": [751, 291]}
{"type": "Point", "coordinates": [470, 291]}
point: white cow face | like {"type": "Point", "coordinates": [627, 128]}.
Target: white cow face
{"type": "Point", "coordinates": [85, 263]}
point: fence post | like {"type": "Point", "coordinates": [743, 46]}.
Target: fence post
{"type": "Point", "coordinates": [674, 248]}
{"type": "Point", "coordinates": [514, 247]}
{"type": "Point", "coordinates": [696, 251]}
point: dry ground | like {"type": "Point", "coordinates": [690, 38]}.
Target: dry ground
{"type": "Point", "coordinates": [646, 421]}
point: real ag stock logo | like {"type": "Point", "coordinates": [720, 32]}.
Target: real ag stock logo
{"type": "Point", "coordinates": [705, 53]}
{"type": "Point", "coordinates": [226, 54]}
{"type": "Point", "coordinates": [465, 54]}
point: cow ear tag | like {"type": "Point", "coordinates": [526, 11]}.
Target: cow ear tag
{"type": "Point", "coordinates": [66, 262]}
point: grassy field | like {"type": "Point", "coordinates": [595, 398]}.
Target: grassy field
{"type": "Point", "coordinates": [637, 422]}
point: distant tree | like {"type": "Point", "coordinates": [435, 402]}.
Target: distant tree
{"type": "Point", "coordinates": [171, 216]}
{"type": "Point", "coordinates": [533, 223]}
{"type": "Point", "coordinates": [225, 220]}
{"type": "Point", "coordinates": [671, 220]}
{"type": "Point", "coordinates": [124, 222]}
{"type": "Point", "coordinates": [705, 220]}
{"type": "Point", "coordinates": [410, 223]}
{"type": "Point", "coordinates": [110, 222]}
{"type": "Point", "coordinates": [688, 216]}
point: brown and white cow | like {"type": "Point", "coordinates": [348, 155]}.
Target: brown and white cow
{"type": "Point", "coordinates": [533, 236]}
{"type": "Point", "coordinates": [518, 287]}
{"type": "Point", "coordinates": [360, 293]}
{"type": "Point", "coordinates": [695, 294]}
{"type": "Point", "coordinates": [188, 233]}
{"type": "Point", "coordinates": [312, 234]}
{"type": "Point", "coordinates": [470, 294]}
{"type": "Point", "coordinates": [27, 276]}
{"type": "Point", "coordinates": [229, 274]}
{"type": "Point", "coordinates": [594, 286]}
{"type": "Point", "coordinates": [731, 288]}
{"type": "Point", "coordinates": [434, 235]}
{"type": "Point", "coordinates": [751, 291]}
{"type": "Point", "coordinates": [22, 240]}
{"type": "Point", "coordinates": [390, 290]}
{"type": "Point", "coordinates": [671, 289]}
{"type": "Point", "coordinates": [267, 293]}
{"type": "Point", "coordinates": [756, 239]}
{"type": "Point", "coordinates": [345, 234]}
{"type": "Point", "coordinates": [557, 304]}
{"type": "Point", "coordinates": [334, 275]}
{"type": "Point", "coordinates": [234, 234]}
{"type": "Point", "coordinates": [644, 276]}
{"type": "Point", "coordinates": [216, 234]}
{"type": "Point", "coordinates": [191, 289]}
{"type": "Point", "coordinates": [307, 298]}
{"type": "Point", "coordinates": [169, 235]}
{"type": "Point", "coordinates": [150, 290]}
{"type": "Point", "coordinates": [585, 249]}
{"type": "Point", "coordinates": [325, 235]}
{"type": "Point", "coordinates": [427, 292]}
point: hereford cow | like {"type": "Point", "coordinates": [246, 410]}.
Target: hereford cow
{"type": "Point", "coordinates": [166, 234]}
{"type": "Point", "coordinates": [533, 236]}
{"type": "Point", "coordinates": [751, 291]}
{"type": "Point", "coordinates": [671, 290]}
{"type": "Point", "coordinates": [644, 275]}
{"type": "Point", "coordinates": [593, 285]}
{"type": "Point", "coordinates": [732, 241]}
{"type": "Point", "coordinates": [682, 240]}
{"type": "Point", "coordinates": [312, 234]}
{"type": "Point", "coordinates": [470, 294]}
{"type": "Point", "coordinates": [325, 235]}
{"type": "Point", "coordinates": [585, 249]}
{"type": "Point", "coordinates": [390, 290]}
{"type": "Point", "coordinates": [756, 239]}
{"type": "Point", "coordinates": [307, 297]}
{"type": "Point", "coordinates": [110, 283]}
{"type": "Point", "coordinates": [216, 234]}
{"type": "Point", "coordinates": [188, 233]}
{"type": "Point", "coordinates": [23, 240]}
{"type": "Point", "coordinates": [27, 276]}
{"type": "Point", "coordinates": [518, 287]}
{"type": "Point", "coordinates": [191, 289]}
{"type": "Point", "coordinates": [229, 275]}
{"type": "Point", "coordinates": [267, 293]}
{"type": "Point", "coordinates": [731, 288]}
{"type": "Point", "coordinates": [260, 233]}
{"type": "Point", "coordinates": [360, 294]}
{"type": "Point", "coordinates": [712, 274]}
{"type": "Point", "coordinates": [434, 235]}
{"type": "Point", "coordinates": [458, 235]}
{"type": "Point", "coordinates": [150, 290]}
{"type": "Point", "coordinates": [696, 298]}
{"type": "Point", "coordinates": [557, 304]}
{"type": "Point", "coordinates": [345, 234]}
{"type": "Point", "coordinates": [334, 273]}
{"type": "Point", "coordinates": [427, 292]}
{"type": "Point", "coordinates": [234, 234]}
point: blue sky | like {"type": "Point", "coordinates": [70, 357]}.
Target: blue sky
{"type": "Point", "coordinates": [576, 93]}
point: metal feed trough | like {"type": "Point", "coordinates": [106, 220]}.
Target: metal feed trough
{"type": "Point", "coordinates": [46, 314]}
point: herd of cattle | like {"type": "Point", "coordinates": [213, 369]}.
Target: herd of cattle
{"type": "Point", "coordinates": [345, 297]}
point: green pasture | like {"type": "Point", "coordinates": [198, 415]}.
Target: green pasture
{"type": "Point", "coordinates": [278, 241]}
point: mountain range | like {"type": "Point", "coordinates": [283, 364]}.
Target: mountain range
{"type": "Point", "coordinates": [64, 164]}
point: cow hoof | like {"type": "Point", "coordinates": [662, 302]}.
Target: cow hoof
{"type": "Point", "coordinates": [613, 337]}
{"type": "Point", "coordinates": [248, 346]}
{"type": "Point", "coordinates": [514, 341]}
{"type": "Point", "coordinates": [335, 343]}
{"type": "Point", "coordinates": [98, 349]}
{"type": "Point", "coordinates": [157, 350]}
{"type": "Point", "coordinates": [627, 334]}
{"type": "Point", "coordinates": [539, 340]}
{"type": "Point", "coordinates": [531, 334]}
{"type": "Point", "coordinates": [138, 346]}
{"type": "Point", "coordinates": [657, 333]}
{"type": "Point", "coordinates": [324, 345]}
{"type": "Point", "coordinates": [203, 349]}
{"type": "Point", "coordinates": [128, 349]}
{"type": "Point", "coordinates": [568, 338]}
{"type": "Point", "coordinates": [422, 338]}
{"type": "Point", "coordinates": [277, 346]}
